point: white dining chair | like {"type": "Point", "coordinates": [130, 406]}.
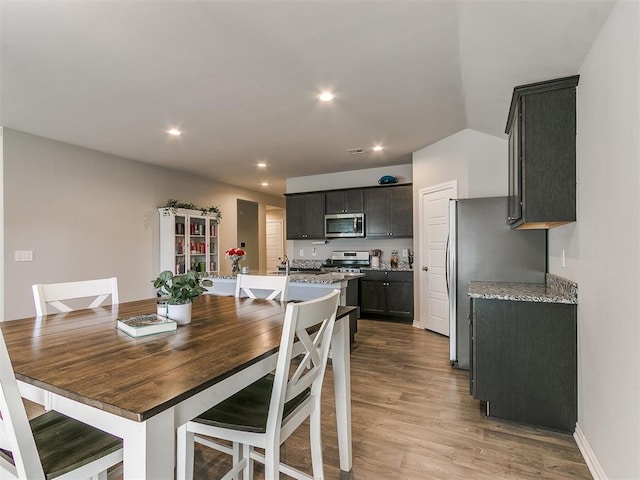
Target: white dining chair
{"type": "Point", "coordinates": [267, 412]}
{"type": "Point", "coordinates": [254, 285]}
{"type": "Point", "coordinates": [53, 294]}
{"type": "Point", "coordinates": [50, 445]}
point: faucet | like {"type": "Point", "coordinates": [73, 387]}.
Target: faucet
{"type": "Point", "coordinates": [285, 262]}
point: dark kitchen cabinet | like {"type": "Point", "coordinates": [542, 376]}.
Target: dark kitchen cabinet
{"type": "Point", "coordinates": [389, 211]}
{"type": "Point", "coordinates": [387, 294]}
{"type": "Point", "coordinates": [542, 154]}
{"type": "Point", "coordinates": [305, 216]}
{"type": "Point", "coordinates": [344, 201]}
{"type": "Point", "coordinates": [524, 361]}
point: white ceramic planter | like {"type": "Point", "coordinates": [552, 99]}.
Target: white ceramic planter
{"type": "Point", "coordinates": [181, 314]}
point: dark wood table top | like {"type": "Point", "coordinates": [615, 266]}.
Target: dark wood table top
{"type": "Point", "coordinates": [83, 356]}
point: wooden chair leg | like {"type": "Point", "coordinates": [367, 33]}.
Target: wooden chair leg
{"type": "Point", "coordinates": [236, 457]}
{"type": "Point", "coordinates": [247, 473]}
{"type": "Point", "coordinates": [316, 442]}
{"type": "Point", "coordinates": [185, 449]}
{"type": "Point", "coordinates": [272, 461]}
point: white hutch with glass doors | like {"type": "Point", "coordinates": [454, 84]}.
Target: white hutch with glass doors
{"type": "Point", "coordinates": [188, 240]}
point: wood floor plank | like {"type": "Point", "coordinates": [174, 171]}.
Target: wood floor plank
{"type": "Point", "coordinates": [413, 419]}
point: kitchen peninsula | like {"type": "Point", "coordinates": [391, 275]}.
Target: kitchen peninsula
{"type": "Point", "coordinates": [304, 286]}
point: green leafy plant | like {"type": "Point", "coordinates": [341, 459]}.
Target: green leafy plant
{"type": "Point", "coordinates": [174, 204]}
{"type": "Point", "coordinates": [182, 288]}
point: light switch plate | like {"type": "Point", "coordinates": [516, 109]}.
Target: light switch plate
{"type": "Point", "coordinates": [23, 255]}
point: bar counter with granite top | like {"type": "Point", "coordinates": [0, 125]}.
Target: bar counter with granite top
{"type": "Point", "coordinates": [302, 286]}
{"type": "Point", "coordinates": [296, 277]}
{"type": "Point", "coordinates": [554, 290]}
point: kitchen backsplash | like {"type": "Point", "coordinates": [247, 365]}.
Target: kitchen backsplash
{"type": "Point", "coordinates": [304, 249]}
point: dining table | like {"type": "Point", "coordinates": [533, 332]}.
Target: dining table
{"type": "Point", "coordinates": [142, 388]}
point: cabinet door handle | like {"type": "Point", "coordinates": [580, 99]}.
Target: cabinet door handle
{"type": "Point", "coordinates": [425, 268]}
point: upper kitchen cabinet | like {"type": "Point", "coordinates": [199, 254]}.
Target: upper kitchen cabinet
{"type": "Point", "coordinates": [542, 154]}
{"type": "Point", "coordinates": [344, 201]}
{"type": "Point", "coordinates": [389, 211]}
{"type": "Point", "coordinates": [305, 216]}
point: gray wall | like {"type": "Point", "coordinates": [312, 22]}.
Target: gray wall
{"type": "Point", "coordinates": [601, 248]}
{"type": "Point", "coordinates": [479, 164]}
{"type": "Point", "coordinates": [85, 214]}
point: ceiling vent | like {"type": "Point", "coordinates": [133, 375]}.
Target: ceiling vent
{"type": "Point", "coordinates": [355, 151]}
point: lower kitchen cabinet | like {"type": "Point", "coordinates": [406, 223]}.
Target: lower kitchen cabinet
{"type": "Point", "coordinates": [524, 361]}
{"type": "Point", "coordinates": [387, 294]}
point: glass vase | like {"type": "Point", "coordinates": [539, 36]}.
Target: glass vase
{"type": "Point", "coordinates": [235, 267]}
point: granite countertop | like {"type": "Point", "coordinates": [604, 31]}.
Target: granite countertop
{"type": "Point", "coordinates": [554, 290]}
{"type": "Point", "coordinates": [400, 268]}
{"type": "Point", "coordinates": [295, 277]}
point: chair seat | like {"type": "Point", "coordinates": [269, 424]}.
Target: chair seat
{"type": "Point", "coordinates": [248, 409]}
{"type": "Point", "coordinates": [64, 444]}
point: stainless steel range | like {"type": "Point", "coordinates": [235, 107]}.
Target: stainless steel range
{"type": "Point", "coordinates": [346, 261]}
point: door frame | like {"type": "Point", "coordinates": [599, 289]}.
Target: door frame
{"type": "Point", "coordinates": [281, 245]}
{"type": "Point", "coordinates": [422, 247]}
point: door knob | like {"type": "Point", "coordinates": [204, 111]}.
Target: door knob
{"type": "Point", "coordinates": [426, 269]}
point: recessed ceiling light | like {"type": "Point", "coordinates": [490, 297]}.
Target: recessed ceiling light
{"type": "Point", "coordinates": [326, 96]}
{"type": "Point", "coordinates": [265, 184]}
{"type": "Point", "coordinates": [377, 148]}
{"type": "Point", "coordinates": [175, 132]}
{"type": "Point", "coordinates": [262, 165]}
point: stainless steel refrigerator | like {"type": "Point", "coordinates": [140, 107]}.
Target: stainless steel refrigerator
{"type": "Point", "coordinates": [482, 247]}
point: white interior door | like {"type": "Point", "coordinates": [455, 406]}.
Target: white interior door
{"type": "Point", "coordinates": [434, 229]}
{"type": "Point", "coordinates": [275, 243]}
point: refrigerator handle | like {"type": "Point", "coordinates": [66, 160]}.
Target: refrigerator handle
{"type": "Point", "coordinates": [446, 265]}
{"type": "Point", "coordinates": [452, 288]}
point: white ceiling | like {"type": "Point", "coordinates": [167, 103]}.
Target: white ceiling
{"type": "Point", "coordinates": [240, 77]}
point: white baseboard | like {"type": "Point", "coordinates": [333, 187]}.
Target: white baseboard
{"type": "Point", "coordinates": [589, 456]}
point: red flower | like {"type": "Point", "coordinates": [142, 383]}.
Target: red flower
{"type": "Point", "coordinates": [235, 253]}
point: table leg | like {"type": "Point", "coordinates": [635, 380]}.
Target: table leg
{"type": "Point", "coordinates": [149, 448]}
{"type": "Point", "coordinates": [341, 361]}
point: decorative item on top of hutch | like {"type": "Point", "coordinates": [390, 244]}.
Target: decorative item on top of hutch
{"type": "Point", "coordinates": [188, 238]}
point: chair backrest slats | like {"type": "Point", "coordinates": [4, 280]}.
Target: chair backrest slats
{"type": "Point", "coordinates": [319, 315]}
{"type": "Point", "coordinates": [277, 285]}
{"type": "Point", "coordinates": [53, 294]}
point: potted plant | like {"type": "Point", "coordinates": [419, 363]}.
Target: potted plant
{"type": "Point", "coordinates": [180, 290]}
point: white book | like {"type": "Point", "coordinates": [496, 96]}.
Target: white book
{"type": "Point", "coordinates": [147, 324]}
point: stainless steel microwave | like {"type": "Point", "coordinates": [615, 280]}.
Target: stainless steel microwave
{"type": "Point", "coordinates": [342, 225]}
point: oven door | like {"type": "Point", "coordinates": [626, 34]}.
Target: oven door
{"type": "Point", "coordinates": [344, 225]}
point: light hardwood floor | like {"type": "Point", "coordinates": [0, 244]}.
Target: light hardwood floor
{"type": "Point", "coordinates": [413, 419]}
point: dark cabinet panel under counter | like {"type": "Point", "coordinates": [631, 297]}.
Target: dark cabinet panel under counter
{"type": "Point", "coordinates": [523, 349]}
{"type": "Point", "coordinates": [387, 294]}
